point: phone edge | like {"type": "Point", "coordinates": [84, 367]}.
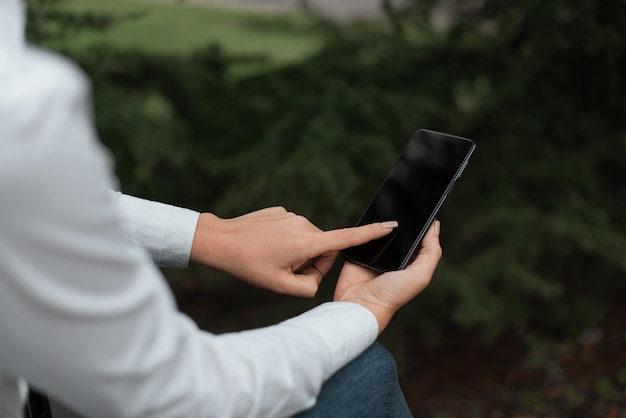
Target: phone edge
{"type": "Point", "coordinates": [420, 237]}
{"type": "Point", "coordinates": [433, 215]}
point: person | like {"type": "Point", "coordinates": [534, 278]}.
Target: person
{"type": "Point", "coordinates": [87, 317]}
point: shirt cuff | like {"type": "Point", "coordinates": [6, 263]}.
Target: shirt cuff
{"type": "Point", "coordinates": [165, 231]}
{"type": "Point", "coordinates": [345, 328]}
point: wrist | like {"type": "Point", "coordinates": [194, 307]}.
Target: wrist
{"type": "Point", "coordinates": [382, 314]}
{"type": "Point", "coordinates": [206, 240]}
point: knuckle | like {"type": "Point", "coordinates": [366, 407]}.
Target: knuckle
{"type": "Point", "coordinates": [309, 242]}
{"type": "Point", "coordinates": [349, 234]}
{"type": "Point", "coordinates": [302, 220]}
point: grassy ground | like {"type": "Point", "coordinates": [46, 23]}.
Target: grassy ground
{"type": "Point", "coordinates": [182, 28]}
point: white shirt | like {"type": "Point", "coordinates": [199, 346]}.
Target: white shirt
{"type": "Point", "coordinates": [85, 315]}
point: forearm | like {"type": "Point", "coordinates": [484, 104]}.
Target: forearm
{"type": "Point", "coordinates": [165, 231]}
{"type": "Point", "coordinates": [130, 354]}
{"type": "Point", "coordinates": [278, 371]}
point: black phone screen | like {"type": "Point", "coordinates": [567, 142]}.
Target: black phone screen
{"type": "Point", "coordinates": [412, 193]}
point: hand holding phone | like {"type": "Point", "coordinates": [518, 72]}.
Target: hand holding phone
{"type": "Point", "coordinates": [383, 294]}
{"type": "Point", "coordinates": [412, 194]}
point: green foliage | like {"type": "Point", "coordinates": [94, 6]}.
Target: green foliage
{"type": "Point", "coordinates": [47, 22]}
{"type": "Point", "coordinates": [534, 235]}
{"type": "Point", "coordinates": [607, 389]}
{"type": "Point", "coordinates": [163, 27]}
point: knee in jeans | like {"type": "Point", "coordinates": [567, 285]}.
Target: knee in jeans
{"type": "Point", "coordinates": [385, 360]}
{"type": "Point", "coordinates": [379, 361]}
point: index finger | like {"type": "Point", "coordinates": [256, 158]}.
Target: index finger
{"type": "Point", "coordinates": [340, 239]}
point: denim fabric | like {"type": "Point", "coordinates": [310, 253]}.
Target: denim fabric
{"type": "Point", "coordinates": [366, 387]}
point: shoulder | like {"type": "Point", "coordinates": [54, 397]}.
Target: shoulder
{"type": "Point", "coordinates": [34, 83]}
{"type": "Point", "coordinates": [47, 141]}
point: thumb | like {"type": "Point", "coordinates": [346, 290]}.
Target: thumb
{"type": "Point", "coordinates": [429, 255]}
{"type": "Point", "coordinates": [340, 239]}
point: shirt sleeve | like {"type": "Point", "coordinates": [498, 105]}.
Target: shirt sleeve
{"type": "Point", "coordinates": [84, 313]}
{"type": "Point", "coordinates": [165, 231]}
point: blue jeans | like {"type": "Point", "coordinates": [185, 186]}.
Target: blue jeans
{"type": "Point", "coordinates": [366, 387]}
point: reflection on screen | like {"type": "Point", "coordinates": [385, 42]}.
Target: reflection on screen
{"type": "Point", "coordinates": [410, 194]}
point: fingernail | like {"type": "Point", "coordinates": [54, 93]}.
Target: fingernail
{"type": "Point", "coordinates": [389, 224]}
{"type": "Point", "coordinates": [437, 227]}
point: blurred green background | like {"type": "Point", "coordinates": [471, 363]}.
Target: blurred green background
{"type": "Point", "coordinates": [232, 110]}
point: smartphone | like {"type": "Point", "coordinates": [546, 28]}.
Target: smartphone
{"type": "Point", "coordinates": [412, 194]}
